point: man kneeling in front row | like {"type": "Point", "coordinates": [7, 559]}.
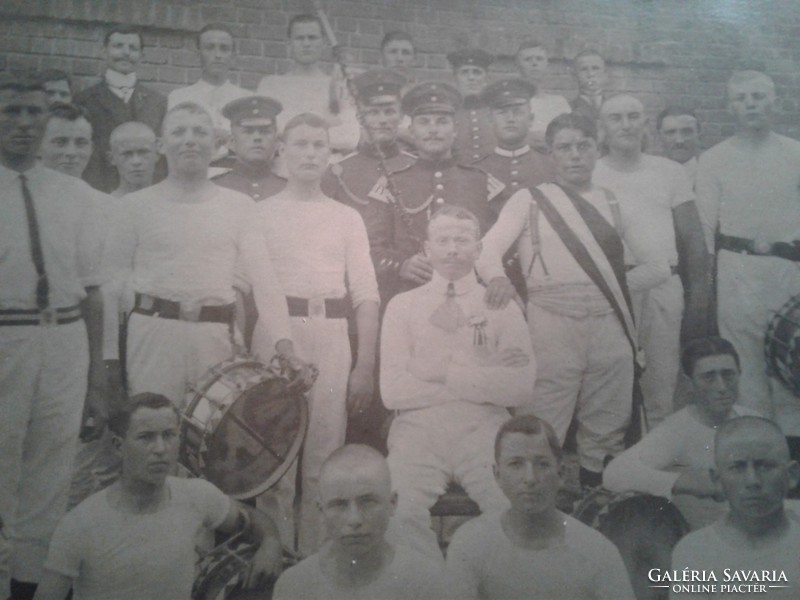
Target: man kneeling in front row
{"type": "Point", "coordinates": [532, 550]}
{"type": "Point", "coordinates": [357, 560]}
{"type": "Point", "coordinates": [136, 539]}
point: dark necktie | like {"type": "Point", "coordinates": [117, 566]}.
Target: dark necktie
{"type": "Point", "coordinates": [42, 286]}
{"type": "Point", "coordinates": [449, 316]}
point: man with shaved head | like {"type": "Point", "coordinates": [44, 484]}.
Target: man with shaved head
{"type": "Point", "coordinates": [357, 560]}
{"type": "Point", "coordinates": [758, 533]}
{"type": "Point", "coordinates": [134, 154]}
{"type": "Point", "coordinates": [659, 218]}
{"type": "Point", "coordinates": [747, 193]}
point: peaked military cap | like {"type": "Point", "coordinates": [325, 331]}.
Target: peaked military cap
{"type": "Point", "coordinates": [379, 82]}
{"type": "Point", "coordinates": [470, 56]}
{"type": "Point", "coordinates": [508, 91]}
{"type": "Point", "coordinates": [251, 107]}
{"type": "Point", "coordinates": [431, 97]}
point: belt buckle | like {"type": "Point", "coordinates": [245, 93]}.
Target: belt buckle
{"type": "Point", "coordinates": [316, 307]}
{"type": "Point", "coordinates": [762, 247]}
{"type": "Point", "coordinates": [189, 312]}
{"type": "Point", "coordinates": [48, 316]}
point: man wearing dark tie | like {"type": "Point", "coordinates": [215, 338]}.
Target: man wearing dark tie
{"type": "Point", "coordinates": [50, 243]}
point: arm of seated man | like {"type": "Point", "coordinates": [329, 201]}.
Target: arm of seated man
{"type": "Point", "coordinates": [258, 528]}
{"type": "Point", "coordinates": [697, 482]}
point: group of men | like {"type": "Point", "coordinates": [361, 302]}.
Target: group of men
{"type": "Point", "coordinates": [474, 251]}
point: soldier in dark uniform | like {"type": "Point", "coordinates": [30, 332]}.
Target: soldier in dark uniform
{"type": "Point", "coordinates": [474, 136]}
{"type": "Point", "coordinates": [358, 180]}
{"type": "Point", "coordinates": [513, 161]}
{"type": "Point", "coordinates": [434, 180]}
{"type": "Point", "coordinates": [254, 138]}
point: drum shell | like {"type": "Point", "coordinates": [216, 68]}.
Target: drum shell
{"type": "Point", "coordinates": [242, 427]}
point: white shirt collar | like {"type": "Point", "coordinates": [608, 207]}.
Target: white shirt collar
{"type": "Point", "coordinates": [512, 153]}
{"type": "Point", "coordinates": [462, 286]}
{"type": "Point", "coordinates": [118, 80]}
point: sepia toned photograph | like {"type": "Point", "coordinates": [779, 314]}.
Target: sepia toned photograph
{"type": "Point", "coordinates": [423, 299]}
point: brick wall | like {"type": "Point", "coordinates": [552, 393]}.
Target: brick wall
{"type": "Point", "coordinates": [665, 51]}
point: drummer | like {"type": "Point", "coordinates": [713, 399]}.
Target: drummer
{"type": "Point", "coordinates": [136, 539]}
{"type": "Point", "coordinates": [674, 459]}
{"type": "Point", "coordinates": [178, 251]}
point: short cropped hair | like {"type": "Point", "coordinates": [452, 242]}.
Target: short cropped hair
{"type": "Point", "coordinates": [587, 52]}
{"type": "Point", "coordinates": [304, 18]}
{"type": "Point", "coordinates": [530, 43]}
{"type": "Point", "coordinates": [703, 347]}
{"type": "Point", "coordinates": [120, 419]}
{"type": "Point", "coordinates": [191, 107]}
{"type": "Point", "coordinates": [391, 36]}
{"type": "Point", "coordinates": [675, 111]}
{"type": "Point", "coordinates": [733, 426]}
{"type": "Point", "coordinates": [127, 126]}
{"type": "Point", "coordinates": [528, 425]}
{"type": "Point", "coordinates": [20, 81]}
{"type": "Point", "coordinates": [48, 75]}
{"type": "Point", "coordinates": [216, 27]}
{"type": "Point", "coordinates": [68, 112]}
{"type": "Point", "coordinates": [742, 76]}
{"type": "Point", "coordinates": [307, 118]}
{"type": "Point", "coordinates": [456, 212]}
{"type": "Point", "coordinates": [124, 30]}
{"type": "Point", "coordinates": [570, 121]}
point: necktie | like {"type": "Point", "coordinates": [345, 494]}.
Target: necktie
{"type": "Point", "coordinates": [449, 315]}
{"type": "Point", "coordinates": [42, 285]}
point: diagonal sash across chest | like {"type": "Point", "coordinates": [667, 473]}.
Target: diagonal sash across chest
{"type": "Point", "coordinates": [582, 243]}
{"type": "Point", "coordinates": [560, 207]}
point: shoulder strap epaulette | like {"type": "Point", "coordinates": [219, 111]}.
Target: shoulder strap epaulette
{"type": "Point", "coordinates": [220, 174]}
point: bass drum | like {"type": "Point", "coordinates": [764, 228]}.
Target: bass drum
{"type": "Point", "coordinates": [242, 427]}
{"type": "Point", "coordinates": [644, 529]}
{"type": "Point", "coordinates": [782, 345]}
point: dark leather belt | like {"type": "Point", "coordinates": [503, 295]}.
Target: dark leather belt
{"type": "Point", "coordinates": [152, 306]}
{"type": "Point", "coordinates": [330, 308]}
{"type": "Point", "coordinates": [786, 250]}
{"type": "Point", "coordinates": [34, 316]}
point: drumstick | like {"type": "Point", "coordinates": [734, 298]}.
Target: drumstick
{"type": "Point", "coordinates": [331, 35]}
{"type": "Point", "coordinates": [326, 24]}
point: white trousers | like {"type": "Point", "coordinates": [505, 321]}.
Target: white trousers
{"type": "Point", "coordinates": [43, 379]}
{"type": "Point", "coordinates": [659, 313]}
{"type": "Point", "coordinates": [166, 355]}
{"type": "Point", "coordinates": [585, 369]}
{"type": "Point", "coordinates": [430, 447]}
{"type": "Point", "coordinates": [325, 343]}
{"type": "Point", "coordinates": [750, 290]}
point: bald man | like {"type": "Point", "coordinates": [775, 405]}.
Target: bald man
{"type": "Point", "coordinates": [758, 534]}
{"type": "Point", "coordinates": [134, 154]}
{"type": "Point", "coordinates": [659, 218]}
{"type": "Point", "coordinates": [357, 560]}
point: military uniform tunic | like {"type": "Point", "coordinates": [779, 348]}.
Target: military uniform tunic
{"type": "Point", "coordinates": [426, 186]}
{"type": "Point", "coordinates": [256, 183]}
{"type": "Point", "coordinates": [358, 181]}
{"type": "Point", "coordinates": [474, 132]}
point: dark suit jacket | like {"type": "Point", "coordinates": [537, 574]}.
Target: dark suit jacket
{"type": "Point", "coordinates": [581, 106]}
{"type": "Point", "coordinates": [107, 111]}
